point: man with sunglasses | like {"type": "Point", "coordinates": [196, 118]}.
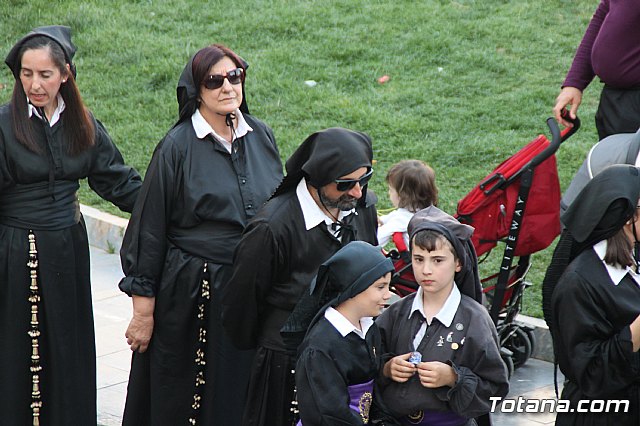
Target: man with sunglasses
{"type": "Point", "coordinates": [322, 204]}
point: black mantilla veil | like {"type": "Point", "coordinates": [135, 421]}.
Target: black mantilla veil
{"type": "Point", "coordinates": [326, 156]}
{"type": "Point", "coordinates": [187, 92]}
{"type": "Point", "coordinates": [58, 33]}
{"type": "Point", "coordinates": [598, 212]}
{"type": "Point", "coordinates": [349, 272]}
{"type": "Point", "coordinates": [459, 235]}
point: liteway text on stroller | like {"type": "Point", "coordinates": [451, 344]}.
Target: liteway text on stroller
{"type": "Point", "coordinates": [525, 405]}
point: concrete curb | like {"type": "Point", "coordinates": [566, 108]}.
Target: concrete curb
{"type": "Point", "coordinates": [106, 232]}
{"type": "Point", "coordinates": [543, 349]}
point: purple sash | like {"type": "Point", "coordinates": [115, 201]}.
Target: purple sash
{"type": "Point", "coordinates": [437, 418]}
{"type": "Point", "coordinates": [360, 398]}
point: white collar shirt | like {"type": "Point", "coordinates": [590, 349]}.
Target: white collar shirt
{"type": "Point", "coordinates": [203, 128]}
{"type": "Point", "coordinates": [313, 215]}
{"type": "Point", "coordinates": [344, 326]}
{"type": "Point", "coordinates": [616, 273]}
{"type": "Point", "coordinates": [56, 114]}
{"type": "Point", "coordinates": [445, 315]}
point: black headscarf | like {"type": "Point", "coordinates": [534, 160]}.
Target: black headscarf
{"type": "Point", "coordinates": [459, 235]}
{"type": "Point", "coordinates": [349, 272]}
{"type": "Point", "coordinates": [58, 33]}
{"type": "Point", "coordinates": [604, 205]}
{"type": "Point", "coordinates": [187, 92]}
{"type": "Point", "coordinates": [326, 156]}
{"type": "Point", "coordinates": [598, 212]}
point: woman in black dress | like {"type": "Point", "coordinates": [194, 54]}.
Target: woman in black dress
{"type": "Point", "coordinates": [207, 178]}
{"type": "Point", "coordinates": [49, 141]}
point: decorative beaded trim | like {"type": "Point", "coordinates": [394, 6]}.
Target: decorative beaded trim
{"type": "Point", "coordinates": [34, 331]}
{"type": "Point", "coordinates": [200, 359]}
{"type": "Point", "coordinates": [295, 411]}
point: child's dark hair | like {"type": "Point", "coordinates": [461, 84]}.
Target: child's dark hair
{"type": "Point", "coordinates": [415, 183]}
{"type": "Point", "coordinates": [431, 240]}
{"type": "Point", "coordinates": [619, 250]}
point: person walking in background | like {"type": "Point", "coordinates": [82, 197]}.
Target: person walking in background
{"type": "Point", "coordinates": [208, 176]}
{"type": "Point", "coordinates": [321, 205]}
{"type": "Point", "coordinates": [49, 140]}
{"type": "Point", "coordinates": [610, 49]}
{"type": "Point", "coordinates": [412, 187]}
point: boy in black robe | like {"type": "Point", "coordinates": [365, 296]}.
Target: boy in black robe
{"type": "Point", "coordinates": [321, 205]}
{"type": "Point", "coordinates": [443, 356]}
{"type": "Point", "coordinates": [340, 355]}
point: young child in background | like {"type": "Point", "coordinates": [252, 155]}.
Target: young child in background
{"type": "Point", "coordinates": [339, 357]}
{"type": "Point", "coordinates": [412, 187]}
{"type": "Point", "coordinates": [442, 356]}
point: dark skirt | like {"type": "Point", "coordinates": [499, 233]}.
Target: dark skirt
{"type": "Point", "coordinates": [66, 343]}
{"type": "Point", "coordinates": [162, 380]}
{"type": "Point", "coordinates": [271, 390]}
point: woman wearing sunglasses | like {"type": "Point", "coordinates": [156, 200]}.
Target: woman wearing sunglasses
{"type": "Point", "coordinates": [208, 176]}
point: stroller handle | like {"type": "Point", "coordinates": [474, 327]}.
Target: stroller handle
{"type": "Point", "coordinates": [556, 140]}
{"type": "Point", "coordinates": [567, 132]}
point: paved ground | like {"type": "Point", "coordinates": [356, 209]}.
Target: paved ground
{"type": "Point", "coordinates": [112, 310]}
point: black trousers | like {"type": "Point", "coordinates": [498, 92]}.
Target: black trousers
{"type": "Point", "coordinates": [618, 111]}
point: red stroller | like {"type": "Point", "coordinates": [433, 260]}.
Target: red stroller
{"type": "Point", "coordinates": [518, 204]}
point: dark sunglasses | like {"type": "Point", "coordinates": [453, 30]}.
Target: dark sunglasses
{"type": "Point", "coordinates": [344, 185]}
{"type": "Point", "coordinates": [215, 81]}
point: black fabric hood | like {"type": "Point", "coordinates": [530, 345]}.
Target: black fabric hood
{"type": "Point", "coordinates": [58, 33]}
{"type": "Point", "coordinates": [187, 92]}
{"type": "Point", "coordinates": [326, 156]}
{"type": "Point", "coordinates": [349, 272]}
{"type": "Point", "coordinates": [604, 205]}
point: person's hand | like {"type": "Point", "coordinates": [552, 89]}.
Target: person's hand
{"type": "Point", "coordinates": [435, 374]}
{"type": "Point", "coordinates": [635, 333]}
{"type": "Point", "coordinates": [140, 328]}
{"type": "Point", "coordinates": [380, 221]}
{"type": "Point", "coordinates": [399, 369]}
{"type": "Point", "coordinates": [568, 96]}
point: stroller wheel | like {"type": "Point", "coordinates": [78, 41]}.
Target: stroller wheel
{"type": "Point", "coordinates": [532, 338]}
{"type": "Point", "coordinates": [507, 358]}
{"type": "Point", "coordinates": [518, 342]}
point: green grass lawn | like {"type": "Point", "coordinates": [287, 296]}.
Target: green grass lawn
{"type": "Point", "coordinates": [470, 81]}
